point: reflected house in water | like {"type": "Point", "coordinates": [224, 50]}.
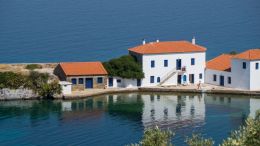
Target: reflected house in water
{"type": "Point", "coordinates": [164, 110]}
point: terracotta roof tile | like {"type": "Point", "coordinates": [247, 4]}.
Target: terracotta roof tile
{"type": "Point", "coordinates": [83, 68]}
{"type": "Point", "coordinates": [167, 47]}
{"type": "Point", "coordinates": [253, 54]}
{"type": "Point", "coordinates": [221, 63]}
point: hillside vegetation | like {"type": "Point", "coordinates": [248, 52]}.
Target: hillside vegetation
{"type": "Point", "coordinates": [125, 67]}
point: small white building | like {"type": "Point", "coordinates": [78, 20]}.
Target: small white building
{"type": "Point", "coordinates": [66, 87]}
{"type": "Point", "coordinates": [171, 63]}
{"type": "Point", "coordinates": [239, 71]}
{"type": "Point", "coordinates": [118, 82]}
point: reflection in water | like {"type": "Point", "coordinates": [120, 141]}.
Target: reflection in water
{"type": "Point", "coordinates": [102, 119]}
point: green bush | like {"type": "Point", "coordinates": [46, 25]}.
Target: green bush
{"type": "Point", "coordinates": [49, 89]}
{"type": "Point", "coordinates": [33, 66]}
{"type": "Point", "coordinates": [155, 137]}
{"type": "Point", "coordinates": [35, 80]}
{"type": "Point", "coordinates": [11, 80]}
{"type": "Point", "coordinates": [248, 135]}
{"type": "Point", "coordinates": [38, 82]}
{"type": "Point", "coordinates": [198, 140]}
{"type": "Point", "coordinates": [125, 67]}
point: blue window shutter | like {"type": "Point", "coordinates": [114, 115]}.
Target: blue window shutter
{"type": "Point", "coordinates": [100, 80]}
{"type": "Point", "coordinates": [80, 80]}
{"type": "Point", "coordinates": [244, 65]}
{"type": "Point", "coordinates": [200, 75]}
{"type": "Point", "coordinates": [158, 79]}
{"type": "Point", "coordinates": [192, 61]}
{"type": "Point", "coordinates": [152, 64]}
{"type": "Point", "coordinates": [257, 66]}
{"type": "Point", "coordinates": [74, 81]}
{"type": "Point", "coordinates": [165, 63]}
{"type": "Point", "coordinates": [151, 79]}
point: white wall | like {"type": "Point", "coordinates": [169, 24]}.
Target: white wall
{"type": "Point", "coordinates": [209, 73]}
{"type": "Point", "coordinates": [254, 76]}
{"type": "Point", "coordinates": [159, 70]}
{"type": "Point", "coordinates": [66, 89]}
{"type": "Point", "coordinates": [125, 83]}
{"type": "Point", "coordinates": [241, 77]}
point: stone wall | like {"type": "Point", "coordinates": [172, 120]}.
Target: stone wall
{"type": "Point", "coordinates": [96, 85]}
{"type": "Point", "coordinates": [11, 94]}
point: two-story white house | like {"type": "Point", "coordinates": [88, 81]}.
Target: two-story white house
{"type": "Point", "coordinates": [239, 71]}
{"type": "Point", "coordinates": [171, 62]}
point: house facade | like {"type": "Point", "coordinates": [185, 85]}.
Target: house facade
{"type": "Point", "coordinates": [83, 75]}
{"type": "Point", "coordinates": [171, 63]}
{"type": "Point", "coordinates": [239, 71]}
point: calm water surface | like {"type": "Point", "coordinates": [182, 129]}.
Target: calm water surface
{"type": "Point", "coordinates": [87, 30]}
{"type": "Point", "coordinates": [120, 119]}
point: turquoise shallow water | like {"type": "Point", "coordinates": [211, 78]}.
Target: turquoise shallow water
{"type": "Point", "coordinates": [87, 30]}
{"type": "Point", "coordinates": [121, 118]}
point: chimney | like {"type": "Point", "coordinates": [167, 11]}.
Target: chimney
{"type": "Point", "coordinates": [193, 41]}
{"type": "Point", "coordinates": [144, 42]}
{"type": "Point", "coordinates": [157, 41]}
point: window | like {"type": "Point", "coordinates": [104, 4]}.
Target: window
{"type": "Point", "coordinates": [200, 75]}
{"type": "Point", "coordinates": [151, 79]}
{"type": "Point", "coordinates": [152, 64]}
{"type": "Point", "coordinates": [80, 80]}
{"type": "Point", "coordinates": [257, 66]}
{"type": "Point", "coordinates": [214, 77]}
{"type": "Point", "coordinates": [118, 81]}
{"type": "Point", "coordinates": [165, 63]}
{"type": "Point", "coordinates": [158, 79]}
{"type": "Point", "coordinates": [244, 65]}
{"type": "Point", "coordinates": [74, 81]}
{"type": "Point", "coordinates": [192, 61]}
{"type": "Point", "coordinates": [229, 80]}
{"type": "Point", "coordinates": [100, 80]}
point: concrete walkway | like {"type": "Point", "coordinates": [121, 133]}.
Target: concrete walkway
{"type": "Point", "coordinates": [205, 88]}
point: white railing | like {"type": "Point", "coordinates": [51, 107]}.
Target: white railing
{"type": "Point", "coordinates": [171, 73]}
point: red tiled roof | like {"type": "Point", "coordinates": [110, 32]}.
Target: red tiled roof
{"type": "Point", "coordinates": [222, 63]}
{"type": "Point", "coordinates": [83, 68]}
{"type": "Point", "coordinates": [167, 47]}
{"type": "Point", "coordinates": [253, 54]}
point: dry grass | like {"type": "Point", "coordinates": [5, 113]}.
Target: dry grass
{"type": "Point", "coordinates": [21, 68]}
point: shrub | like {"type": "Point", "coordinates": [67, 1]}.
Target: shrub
{"type": "Point", "coordinates": [48, 90]}
{"type": "Point", "coordinates": [155, 137]}
{"type": "Point", "coordinates": [33, 66]}
{"type": "Point", "coordinates": [198, 140]}
{"type": "Point", "coordinates": [248, 135]}
{"type": "Point", "coordinates": [125, 67]}
{"type": "Point", "coordinates": [35, 80]}
{"type": "Point", "coordinates": [11, 80]}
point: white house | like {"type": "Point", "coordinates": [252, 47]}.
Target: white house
{"type": "Point", "coordinates": [171, 63]}
{"type": "Point", "coordinates": [118, 82]}
{"type": "Point", "coordinates": [239, 71]}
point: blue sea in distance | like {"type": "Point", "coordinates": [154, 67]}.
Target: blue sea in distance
{"type": "Point", "coordinates": [90, 30]}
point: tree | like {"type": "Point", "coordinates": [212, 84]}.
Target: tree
{"type": "Point", "coordinates": [125, 67]}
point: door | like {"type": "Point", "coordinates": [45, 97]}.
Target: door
{"type": "Point", "coordinates": [89, 83]}
{"type": "Point", "coordinates": [138, 82]}
{"type": "Point", "coordinates": [110, 82]}
{"type": "Point", "coordinates": [222, 81]}
{"type": "Point", "coordinates": [191, 78]}
{"type": "Point", "coordinates": [179, 79]}
{"type": "Point", "coordinates": [178, 64]}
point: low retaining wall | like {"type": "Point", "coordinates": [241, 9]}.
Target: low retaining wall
{"type": "Point", "coordinates": [12, 94]}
